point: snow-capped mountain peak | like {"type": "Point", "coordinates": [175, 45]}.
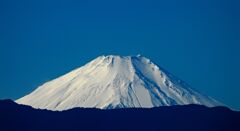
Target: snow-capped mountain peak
{"type": "Point", "coordinates": [115, 82]}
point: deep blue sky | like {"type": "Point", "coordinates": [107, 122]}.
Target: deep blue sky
{"type": "Point", "coordinates": [197, 41]}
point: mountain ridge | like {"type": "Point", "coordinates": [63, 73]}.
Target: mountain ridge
{"type": "Point", "coordinates": [180, 117]}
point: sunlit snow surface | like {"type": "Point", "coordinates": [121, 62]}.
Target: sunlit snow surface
{"type": "Point", "coordinates": [115, 82]}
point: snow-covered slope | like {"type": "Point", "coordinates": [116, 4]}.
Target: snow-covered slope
{"type": "Point", "coordinates": [115, 82]}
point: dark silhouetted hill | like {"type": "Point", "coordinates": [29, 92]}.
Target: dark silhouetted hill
{"type": "Point", "coordinates": [14, 117]}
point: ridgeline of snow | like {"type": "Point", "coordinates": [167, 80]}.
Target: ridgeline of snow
{"type": "Point", "coordinates": [115, 82]}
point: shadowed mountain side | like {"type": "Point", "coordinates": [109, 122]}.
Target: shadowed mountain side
{"type": "Point", "coordinates": [177, 118]}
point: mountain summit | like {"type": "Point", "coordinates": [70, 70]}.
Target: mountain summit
{"type": "Point", "coordinates": [110, 82]}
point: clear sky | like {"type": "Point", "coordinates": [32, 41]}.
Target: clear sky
{"type": "Point", "coordinates": [198, 41]}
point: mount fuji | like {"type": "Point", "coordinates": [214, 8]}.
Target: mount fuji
{"type": "Point", "coordinates": [109, 82]}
